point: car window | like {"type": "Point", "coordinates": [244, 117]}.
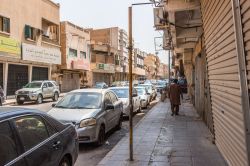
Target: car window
{"type": "Point", "coordinates": [121, 93]}
{"type": "Point", "coordinates": [32, 131]}
{"type": "Point", "coordinates": [50, 84]}
{"type": "Point", "coordinates": [51, 130]}
{"type": "Point", "coordinates": [107, 99]}
{"type": "Point", "coordinates": [45, 84]}
{"type": "Point", "coordinates": [8, 150]}
{"type": "Point", "coordinates": [55, 83]}
{"type": "Point", "coordinates": [113, 97]}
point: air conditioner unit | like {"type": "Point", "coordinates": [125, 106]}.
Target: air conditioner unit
{"type": "Point", "coordinates": [159, 19]}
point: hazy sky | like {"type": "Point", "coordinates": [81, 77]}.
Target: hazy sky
{"type": "Point", "coordinates": [114, 13]}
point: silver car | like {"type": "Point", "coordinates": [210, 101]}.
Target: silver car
{"type": "Point", "coordinates": [123, 95]}
{"type": "Point", "coordinates": [144, 96]}
{"type": "Point", "coordinates": [37, 91]}
{"type": "Point", "coordinates": [94, 112]}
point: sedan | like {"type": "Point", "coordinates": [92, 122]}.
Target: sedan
{"type": "Point", "coordinates": [144, 96]}
{"type": "Point", "coordinates": [94, 112]}
{"type": "Point", "coordinates": [123, 95]}
{"type": "Point", "coordinates": [151, 89]}
{"type": "Point", "coordinates": [30, 137]}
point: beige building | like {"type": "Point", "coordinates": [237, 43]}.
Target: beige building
{"type": "Point", "coordinates": [211, 48]}
{"type": "Point", "coordinates": [29, 42]}
{"type": "Point", "coordinates": [151, 63]}
{"type": "Point", "coordinates": [104, 47]}
{"type": "Point", "coordinates": [139, 70]}
{"type": "Point", "coordinates": [75, 48]}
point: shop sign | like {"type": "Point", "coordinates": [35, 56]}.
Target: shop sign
{"type": "Point", "coordinates": [10, 46]}
{"type": "Point", "coordinates": [41, 54]}
{"type": "Point", "coordinates": [81, 64]}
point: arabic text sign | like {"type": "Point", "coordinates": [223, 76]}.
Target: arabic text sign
{"type": "Point", "coordinates": [41, 54]}
{"type": "Point", "coordinates": [11, 46]}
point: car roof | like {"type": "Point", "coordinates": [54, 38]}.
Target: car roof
{"type": "Point", "coordinates": [90, 90]}
{"type": "Point", "coordinates": [8, 112]}
{"type": "Point", "coordinates": [119, 87]}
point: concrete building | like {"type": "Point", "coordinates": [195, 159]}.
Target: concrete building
{"type": "Point", "coordinates": [160, 73]}
{"type": "Point", "coordinates": [210, 42]}
{"type": "Point", "coordinates": [151, 63]}
{"type": "Point", "coordinates": [75, 48]}
{"type": "Point", "coordinates": [104, 46]}
{"type": "Point", "coordinates": [29, 42]}
{"type": "Point", "coordinates": [121, 70]}
{"type": "Point", "coordinates": [139, 70]}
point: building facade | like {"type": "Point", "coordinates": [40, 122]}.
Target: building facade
{"type": "Point", "coordinates": [210, 42]}
{"type": "Point", "coordinates": [75, 48]}
{"type": "Point", "coordinates": [104, 46]}
{"type": "Point", "coordinates": [30, 44]}
{"type": "Point", "coordinates": [151, 63]}
{"type": "Point", "coordinates": [139, 69]}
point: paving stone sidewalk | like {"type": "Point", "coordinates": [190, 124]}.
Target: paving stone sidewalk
{"type": "Point", "coordinates": [164, 140]}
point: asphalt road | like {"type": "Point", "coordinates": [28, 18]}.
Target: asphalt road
{"type": "Point", "coordinates": [89, 154]}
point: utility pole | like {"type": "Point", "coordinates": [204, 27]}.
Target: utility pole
{"type": "Point", "coordinates": [169, 66]}
{"type": "Point", "coordinates": [130, 50]}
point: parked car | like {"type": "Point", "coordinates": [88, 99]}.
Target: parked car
{"type": "Point", "coordinates": [118, 83]}
{"type": "Point", "coordinates": [94, 112]}
{"type": "Point", "coordinates": [37, 91]}
{"type": "Point", "coordinates": [183, 84]}
{"type": "Point", "coordinates": [160, 85]}
{"type": "Point", "coordinates": [2, 96]}
{"type": "Point", "coordinates": [100, 85]}
{"type": "Point", "coordinates": [123, 95]}
{"type": "Point", "coordinates": [144, 96]}
{"type": "Point", "coordinates": [31, 137]}
{"type": "Point", "coordinates": [151, 89]}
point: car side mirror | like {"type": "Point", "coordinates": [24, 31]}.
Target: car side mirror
{"type": "Point", "coordinates": [109, 107]}
{"type": "Point", "coordinates": [53, 105]}
{"type": "Point", "coordinates": [135, 95]}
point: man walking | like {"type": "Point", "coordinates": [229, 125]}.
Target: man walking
{"type": "Point", "coordinates": [174, 96]}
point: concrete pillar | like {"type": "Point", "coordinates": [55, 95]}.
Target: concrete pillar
{"type": "Point", "coordinates": [188, 68]}
{"type": "Point", "coordinates": [49, 72]}
{"type": "Point", "coordinates": [5, 77]}
{"type": "Point", "coordinates": [30, 73]}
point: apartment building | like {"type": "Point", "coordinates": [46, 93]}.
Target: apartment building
{"type": "Point", "coordinates": [151, 63]}
{"type": "Point", "coordinates": [29, 42]}
{"type": "Point", "coordinates": [104, 47]}
{"type": "Point", "coordinates": [139, 64]}
{"type": "Point", "coordinates": [75, 48]}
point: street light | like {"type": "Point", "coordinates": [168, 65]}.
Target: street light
{"type": "Point", "coordinates": [130, 50]}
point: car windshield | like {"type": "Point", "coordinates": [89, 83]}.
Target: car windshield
{"type": "Point", "coordinates": [81, 100]}
{"type": "Point", "coordinates": [33, 85]}
{"type": "Point", "coordinates": [99, 85]}
{"type": "Point", "coordinates": [140, 91]}
{"type": "Point", "coordinates": [121, 93]}
{"type": "Point", "coordinates": [148, 87]}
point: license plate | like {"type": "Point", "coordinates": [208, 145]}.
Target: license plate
{"type": "Point", "coordinates": [21, 98]}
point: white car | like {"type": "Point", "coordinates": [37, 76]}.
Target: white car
{"type": "Point", "coordinates": [123, 95]}
{"type": "Point", "coordinates": [144, 96]}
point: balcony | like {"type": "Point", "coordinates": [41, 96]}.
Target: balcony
{"type": "Point", "coordinates": [50, 32]}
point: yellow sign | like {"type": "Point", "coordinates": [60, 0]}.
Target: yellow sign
{"type": "Point", "coordinates": [10, 46]}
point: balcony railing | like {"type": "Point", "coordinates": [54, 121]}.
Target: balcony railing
{"type": "Point", "coordinates": [48, 40]}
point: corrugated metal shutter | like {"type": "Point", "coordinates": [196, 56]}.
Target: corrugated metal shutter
{"type": "Point", "coordinates": [245, 13]}
{"type": "Point", "coordinates": [223, 78]}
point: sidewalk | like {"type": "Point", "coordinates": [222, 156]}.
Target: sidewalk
{"type": "Point", "coordinates": [163, 140]}
{"type": "Point", "coordinates": [13, 101]}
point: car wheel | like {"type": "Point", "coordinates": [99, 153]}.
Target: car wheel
{"type": "Point", "coordinates": [39, 99]}
{"type": "Point", "coordinates": [55, 97]}
{"type": "Point", "coordinates": [1, 103]}
{"type": "Point", "coordinates": [119, 125]}
{"type": "Point", "coordinates": [101, 136]}
{"type": "Point", "coordinates": [19, 102]}
{"type": "Point", "coordinates": [65, 162]}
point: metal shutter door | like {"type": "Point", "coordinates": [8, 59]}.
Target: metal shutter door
{"type": "Point", "coordinates": [223, 78]}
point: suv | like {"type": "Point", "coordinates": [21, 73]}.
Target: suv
{"type": "Point", "coordinates": [37, 91]}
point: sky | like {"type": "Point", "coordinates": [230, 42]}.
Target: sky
{"type": "Point", "coordinates": [114, 13]}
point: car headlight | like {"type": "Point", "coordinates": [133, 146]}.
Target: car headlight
{"type": "Point", "coordinates": [87, 122]}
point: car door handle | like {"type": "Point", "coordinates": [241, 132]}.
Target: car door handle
{"type": "Point", "coordinates": [56, 144]}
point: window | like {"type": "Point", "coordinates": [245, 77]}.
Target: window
{"type": "Point", "coordinates": [45, 85]}
{"type": "Point", "coordinates": [8, 149]}
{"type": "Point", "coordinates": [30, 32]}
{"type": "Point", "coordinates": [113, 97]}
{"type": "Point", "coordinates": [50, 84]}
{"type": "Point", "coordinates": [83, 55]}
{"type": "Point", "coordinates": [32, 131]}
{"type": "Point", "coordinates": [107, 99]}
{"type": "Point", "coordinates": [4, 24]}
{"type": "Point", "coordinates": [72, 52]}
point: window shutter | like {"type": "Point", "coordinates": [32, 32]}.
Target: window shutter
{"type": "Point", "coordinates": [6, 25]}
{"type": "Point", "coordinates": [27, 31]}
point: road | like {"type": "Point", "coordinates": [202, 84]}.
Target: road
{"type": "Point", "coordinates": [89, 154]}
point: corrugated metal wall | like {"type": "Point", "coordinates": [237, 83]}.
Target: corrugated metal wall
{"type": "Point", "coordinates": [245, 13]}
{"type": "Point", "coordinates": [223, 78]}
